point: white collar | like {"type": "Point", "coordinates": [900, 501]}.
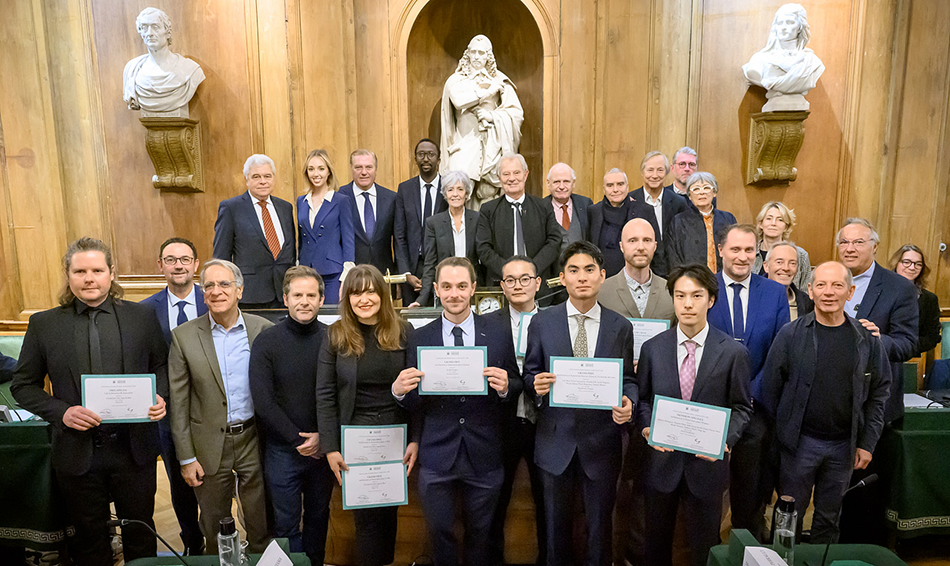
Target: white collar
{"type": "Point", "coordinates": [653, 201]}
{"type": "Point", "coordinates": [359, 192]}
{"type": "Point", "coordinates": [173, 300]}
{"type": "Point", "coordinates": [519, 201]}
{"type": "Point", "coordinates": [516, 314]}
{"type": "Point", "coordinates": [435, 182]}
{"type": "Point", "coordinates": [256, 200]}
{"type": "Point", "coordinates": [729, 280]}
{"type": "Point", "coordinates": [327, 197]}
{"type": "Point", "coordinates": [700, 337]}
{"type": "Point", "coordinates": [593, 313]}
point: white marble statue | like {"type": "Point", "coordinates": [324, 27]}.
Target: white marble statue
{"type": "Point", "coordinates": [159, 83]}
{"type": "Point", "coordinates": [786, 68]}
{"type": "Point", "coordinates": [481, 119]}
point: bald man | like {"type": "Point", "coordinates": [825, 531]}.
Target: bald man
{"type": "Point", "coordinates": [636, 291]}
{"type": "Point", "coordinates": [570, 210]}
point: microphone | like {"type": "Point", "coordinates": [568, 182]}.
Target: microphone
{"type": "Point", "coordinates": [126, 522]}
{"type": "Point", "coordinates": [863, 483]}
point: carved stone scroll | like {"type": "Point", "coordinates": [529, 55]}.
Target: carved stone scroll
{"type": "Point", "coordinates": [774, 141]}
{"type": "Point", "coordinates": [174, 145]}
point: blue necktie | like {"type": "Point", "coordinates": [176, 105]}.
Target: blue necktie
{"type": "Point", "coordinates": [182, 317]}
{"type": "Point", "coordinates": [369, 219]}
{"type": "Point", "coordinates": [738, 325]}
{"type": "Point", "coordinates": [457, 332]}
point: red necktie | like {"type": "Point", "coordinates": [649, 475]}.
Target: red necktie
{"type": "Point", "coordinates": [269, 232]}
{"type": "Point", "coordinates": [565, 218]}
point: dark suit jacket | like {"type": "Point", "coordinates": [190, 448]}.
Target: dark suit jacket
{"type": "Point", "coordinates": [330, 242]}
{"type": "Point", "coordinates": [581, 205]}
{"type": "Point", "coordinates": [561, 431]}
{"type": "Point", "coordinates": [494, 237]}
{"type": "Point", "coordinates": [238, 237]}
{"type": "Point", "coordinates": [613, 257]}
{"type": "Point", "coordinates": [159, 303]}
{"type": "Point", "coordinates": [722, 379]}
{"type": "Point", "coordinates": [686, 238]}
{"type": "Point", "coordinates": [804, 302]}
{"type": "Point", "coordinates": [408, 225]}
{"type": "Point", "coordinates": [379, 250]}
{"type": "Point", "coordinates": [51, 347]}
{"type": "Point", "coordinates": [440, 244]}
{"type": "Point", "coordinates": [673, 204]}
{"type": "Point", "coordinates": [790, 370]}
{"type": "Point", "coordinates": [767, 314]}
{"type": "Point", "coordinates": [436, 418]}
{"type": "Point", "coordinates": [890, 302]}
{"type": "Point", "coordinates": [929, 333]}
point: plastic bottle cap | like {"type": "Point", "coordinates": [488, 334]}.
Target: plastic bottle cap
{"type": "Point", "coordinates": [786, 503]}
{"type": "Point", "coordinates": [226, 526]}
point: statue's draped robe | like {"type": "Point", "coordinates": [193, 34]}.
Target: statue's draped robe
{"type": "Point", "coordinates": [781, 75]}
{"type": "Point", "coordinates": [165, 92]}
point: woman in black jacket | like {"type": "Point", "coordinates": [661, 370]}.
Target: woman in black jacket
{"type": "Point", "coordinates": [909, 261]}
{"type": "Point", "coordinates": [694, 232]}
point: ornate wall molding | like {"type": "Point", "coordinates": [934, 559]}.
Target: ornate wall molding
{"type": "Point", "coordinates": [774, 141]}
{"type": "Point", "coordinates": [174, 146]}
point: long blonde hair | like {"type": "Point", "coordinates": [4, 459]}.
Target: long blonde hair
{"type": "Point", "coordinates": [332, 183]}
{"type": "Point", "coordinates": [345, 333]}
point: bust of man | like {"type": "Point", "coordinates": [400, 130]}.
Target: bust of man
{"type": "Point", "coordinates": [481, 119]}
{"type": "Point", "coordinates": [785, 67]}
{"type": "Point", "coordinates": [160, 82]}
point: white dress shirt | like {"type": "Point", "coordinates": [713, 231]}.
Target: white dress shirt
{"type": "Point", "coordinates": [681, 339]}
{"type": "Point", "coordinates": [433, 190]}
{"type": "Point", "coordinates": [468, 331]}
{"type": "Point", "coordinates": [314, 209]}
{"type": "Point", "coordinates": [458, 236]}
{"type": "Point", "coordinates": [743, 294]}
{"type": "Point", "coordinates": [640, 291]}
{"type": "Point", "coordinates": [191, 307]}
{"type": "Point", "coordinates": [514, 221]}
{"type": "Point", "coordinates": [273, 216]}
{"type": "Point", "coordinates": [361, 202]}
{"type": "Point", "coordinates": [524, 410]}
{"type": "Point", "coordinates": [861, 283]}
{"type": "Point", "coordinates": [591, 325]}
{"type": "Point", "coordinates": [657, 205]}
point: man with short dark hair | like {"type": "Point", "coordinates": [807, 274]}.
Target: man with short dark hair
{"type": "Point", "coordinates": [374, 214]}
{"type": "Point", "coordinates": [283, 376]}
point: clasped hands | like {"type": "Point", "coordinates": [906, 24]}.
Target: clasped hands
{"type": "Point", "coordinates": [622, 414]}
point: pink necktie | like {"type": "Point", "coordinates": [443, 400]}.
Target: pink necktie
{"type": "Point", "coordinates": [688, 371]}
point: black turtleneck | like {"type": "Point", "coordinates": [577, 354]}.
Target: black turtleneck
{"type": "Point", "coordinates": [283, 377]}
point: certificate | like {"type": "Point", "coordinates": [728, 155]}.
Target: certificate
{"type": "Point", "coordinates": [586, 383]}
{"type": "Point", "coordinates": [523, 333]}
{"type": "Point", "coordinates": [453, 370]}
{"type": "Point", "coordinates": [643, 330]}
{"type": "Point", "coordinates": [123, 398]}
{"type": "Point", "coordinates": [375, 485]}
{"type": "Point", "coordinates": [373, 444]}
{"type": "Point", "coordinates": [689, 427]}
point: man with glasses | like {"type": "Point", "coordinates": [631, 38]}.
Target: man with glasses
{"type": "Point", "coordinates": [213, 416]}
{"type": "Point", "coordinates": [885, 303]}
{"type": "Point", "coordinates": [685, 163]}
{"type": "Point", "coordinates": [180, 301]}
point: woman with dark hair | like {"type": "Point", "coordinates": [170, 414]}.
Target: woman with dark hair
{"type": "Point", "coordinates": [360, 358]}
{"type": "Point", "coordinates": [909, 262]}
{"type": "Point", "coordinates": [694, 231]}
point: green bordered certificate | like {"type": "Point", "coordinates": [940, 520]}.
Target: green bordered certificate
{"type": "Point", "coordinates": [454, 370]}
{"type": "Point", "coordinates": [377, 476]}
{"type": "Point", "coordinates": [120, 398]}
{"type": "Point", "coordinates": [373, 444]}
{"type": "Point", "coordinates": [586, 383]}
{"type": "Point", "coordinates": [689, 427]}
{"type": "Point", "coordinates": [523, 333]}
{"type": "Point", "coordinates": [643, 330]}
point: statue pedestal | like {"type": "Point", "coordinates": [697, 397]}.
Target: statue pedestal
{"type": "Point", "coordinates": [174, 145]}
{"type": "Point", "coordinates": [774, 141]}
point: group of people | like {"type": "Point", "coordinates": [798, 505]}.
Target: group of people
{"type": "Point", "coordinates": [807, 360]}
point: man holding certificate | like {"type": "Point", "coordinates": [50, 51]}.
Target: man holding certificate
{"type": "Point", "coordinates": [460, 450]}
{"type": "Point", "coordinates": [579, 370]}
{"type": "Point", "coordinates": [694, 404]}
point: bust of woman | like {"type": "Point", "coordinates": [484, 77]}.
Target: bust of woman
{"type": "Point", "coordinates": [785, 67]}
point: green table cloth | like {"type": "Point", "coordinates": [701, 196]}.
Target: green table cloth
{"type": "Point", "coordinates": [805, 554]}
{"type": "Point", "coordinates": [297, 559]}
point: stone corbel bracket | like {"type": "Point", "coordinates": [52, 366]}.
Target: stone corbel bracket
{"type": "Point", "coordinates": [774, 141]}
{"type": "Point", "coordinates": [174, 145]}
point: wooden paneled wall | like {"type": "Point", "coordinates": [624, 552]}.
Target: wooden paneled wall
{"type": "Point", "coordinates": [604, 81]}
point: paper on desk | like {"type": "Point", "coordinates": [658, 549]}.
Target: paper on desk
{"type": "Point", "coordinates": [761, 556]}
{"type": "Point", "coordinates": [916, 401]}
{"type": "Point", "coordinates": [274, 556]}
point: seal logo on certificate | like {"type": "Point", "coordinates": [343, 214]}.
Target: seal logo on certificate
{"type": "Point", "coordinates": [453, 370]}
{"type": "Point", "coordinates": [586, 383]}
{"type": "Point", "coordinates": [119, 398]}
{"type": "Point", "coordinates": [691, 427]}
{"type": "Point", "coordinates": [376, 475]}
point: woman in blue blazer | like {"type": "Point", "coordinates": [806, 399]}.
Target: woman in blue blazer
{"type": "Point", "coordinates": [694, 232]}
{"type": "Point", "coordinates": [325, 224]}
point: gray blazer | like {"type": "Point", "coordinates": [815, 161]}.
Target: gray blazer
{"type": "Point", "coordinates": [616, 296]}
{"type": "Point", "coordinates": [804, 269]}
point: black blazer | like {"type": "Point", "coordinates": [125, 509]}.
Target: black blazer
{"type": "Point", "coordinates": [613, 257]}
{"type": "Point", "coordinates": [159, 303]}
{"type": "Point", "coordinates": [440, 244]}
{"type": "Point", "coordinates": [438, 419]}
{"type": "Point", "coordinates": [494, 238]}
{"type": "Point", "coordinates": [379, 251]}
{"type": "Point", "coordinates": [581, 205]}
{"type": "Point", "coordinates": [50, 347]}
{"type": "Point", "coordinates": [238, 237]}
{"type": "Point", "coordinates": [408, 225]}
{"type": "Point", "coordinates": [929, 333]}
{"type": "Point", "coordinates": [722, 379]}
{"type": "Point", "coordinates": [673, 204]}
{"type": "Point", "coordinates": [804, 302]}
{"type": "Point", "coordinates": [687, 236]}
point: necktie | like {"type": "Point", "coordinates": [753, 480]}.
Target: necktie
{"type": "Point", "coordinates": [580, 342]}
{"type": "Point", "coordinates": [457, 332]}
{"type": "Point", "coordinates": [273, 242]}
{"type": "Point", "coordinates": [95, 350]}
{"type": "Point", "coordinates": [519, 229]}
{"type": "Point", "coordinates": [688, 371]}
{"type": "Point", "coordinates": [738, 324]}
{"type": "Point", "coordinates": [427, 210]}
{"type": "Point", "coordinates": [565, 218]}
{"type": "Point", "coordinates": [369, 219]}
{"type": "Point", "coordinates": [182, 317]}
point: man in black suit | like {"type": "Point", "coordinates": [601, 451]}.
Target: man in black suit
{"type": "Point", "coordinates": [416, 200]}
{"type": "Point", "coordinates": [516, 223]}
{"type": "Point", "coordinates": [609, 216]}
{"type": "Point", "coordinates": [374, 214]}
{"type": "Point", "coordinates": [579, 450]}
{"type": "Point", "coordinates": [781, 266]}
{"type": "Point", "coordinates": [663, 200]}
{"type": "Point", "coordinates": [257, 232]}
{"type": "Point", "coordinates": [94, 332]}
{"type": "Point", "coordinates": [570, 210]}
{"type": "Point", "coordinates": [460, 446]}
{"type": "Point", "coordinates": [696, 362]}
{"type": "Point", "coordinates": [886, 304]}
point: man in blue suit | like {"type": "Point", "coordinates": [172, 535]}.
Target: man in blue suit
{"type": "Point", "coordinates": [256, 232]}
{"type": "Point", "coordinates": [416, 200]}
{"type": "Point", "coordinates": [460, 449]}
{"type": "Point", "coordinates": [751, 309]}
{"type": "Point", "coordinates": [374, 213]}
{"type": "Point", "coordinates": [579, 450]}
{"type": "Point", "coordinates": [180, 301]}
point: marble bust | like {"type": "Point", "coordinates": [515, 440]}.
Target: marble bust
{"type": "Point", "coordinates": [159, 83]}
{"type": "Point", "coordinates": [785, 67]}
{"type": "Point", "coordinates": [481, 119]}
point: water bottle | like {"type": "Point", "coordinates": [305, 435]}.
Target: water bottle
{"type": "Point", "coordinates": [229, 543]}
{"type": "Point", "coordinates": [786, 522]}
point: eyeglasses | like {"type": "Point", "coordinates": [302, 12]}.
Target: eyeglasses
{"type": "Point", "coordinates": [701, 190]}
{"type": "Point", "coordinates": [685, 164]}
{"type": "Point", "coordinates": [525, 280]}
{"type": "Point", "coordinates": [170, 261]}
{"type": "Point", "coordinates": [908, 264]}
{"type": "Point", "coordinates": [856, 243]}
{"type": "Point", "coordinates": [426, 154]}
{"type": "Point", "coordinates": [223, 285]}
